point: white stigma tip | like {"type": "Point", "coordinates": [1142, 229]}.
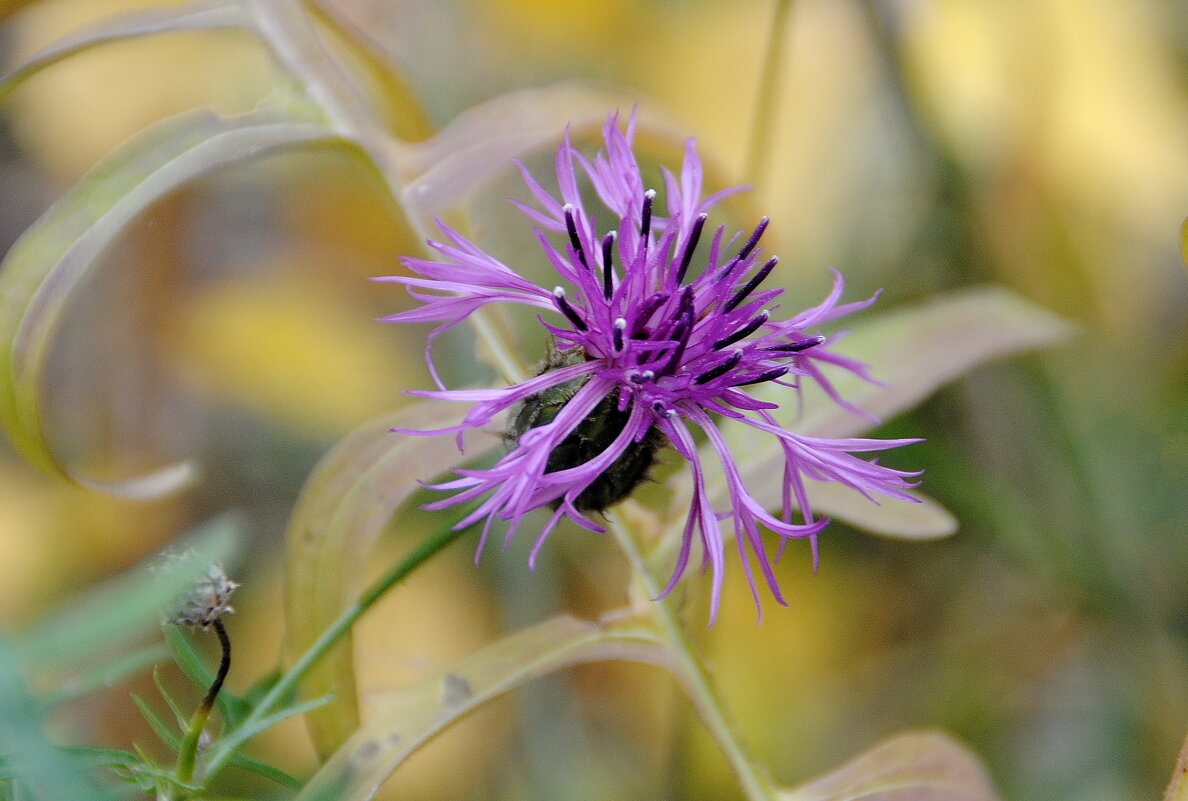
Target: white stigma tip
{"type": "Point", "coordinates": [621, 324]}
{"type": "Point", "coordinates": [650, 194]}
{"type": "Point", "coordinates": [567, 208]}
{"type": "Point", "coordinates": [558, 293]}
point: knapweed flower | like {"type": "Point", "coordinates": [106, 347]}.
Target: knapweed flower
{"type": "Point", "coordinates": [660, 327]}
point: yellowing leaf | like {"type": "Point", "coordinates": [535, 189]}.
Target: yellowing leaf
{"type": "Point", "coordinates": [914, 351]}
{"type": "Point", "coordinates": [71, 116]}
{"type": "Point", "coordinates": [919, 766]}
{"type": "Point", "coordinates": [43, 268]}
{"type": "Point", "coordinates": [406, 718]}
{"type": "Point", "coordinates": [345, 505]}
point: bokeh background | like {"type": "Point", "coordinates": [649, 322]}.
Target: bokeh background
{"type": "Point", "coordinates": [917, 145]}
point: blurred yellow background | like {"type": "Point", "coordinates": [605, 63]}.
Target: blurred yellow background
{"type": "Point", "coordinates": [919, 146]}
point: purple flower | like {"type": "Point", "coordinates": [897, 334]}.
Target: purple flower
{"type": "Point", "coordinates": [660, 327]}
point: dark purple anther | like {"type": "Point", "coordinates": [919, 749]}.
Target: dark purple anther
{"type": "Point", "coordinates": [569, 312]}
{"type": "Point", "coordinates": [660, 409]}
{"type": "Point", "coordinates": [721, 369]}
{"type": "Point", "coordinates": [797, 347]}
{"type": "Point", "coordinates": [744, 332]}
{"type": "Point", "coordinates": [617, 334]}
{"type": "Point", "coordinates": [754, 240]}
{"type": "Point", "coordinates": [645, 222]}
{"type": "Point", "coordinates": [690, 246]}
{"type": "Point", "coordinates": [769, 375]}
{"type": "Point", "coordinates": [750, 286]}
{"type": "Point", "coordinates": [574, 239]}
{"type": "Point", "coordinates": [646, 310]}
{"type": "Point", "coordinates": [681, 335]}
{"type": "Point", "coordinates": [608, 274]}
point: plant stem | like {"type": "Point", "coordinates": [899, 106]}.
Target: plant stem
{"type": "Point", "coordinates": [189, 748]}
{"type": "Point", "coordinates": [288, 682]}
{"type": "Point", "coordinates": [693, 675]}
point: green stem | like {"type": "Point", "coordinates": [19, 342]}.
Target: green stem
{"type": "Point", "coordinates": [288, 683]}
{"type": "Point", "coordinates": [189, 749]}
{"type": "Point", "coordinates": [693, 675]}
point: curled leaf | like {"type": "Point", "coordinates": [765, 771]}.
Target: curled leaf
{"type": "Point", "coordinates": [192, 16]}
{"type": "Point", "coordinates": [913, 351]}
{"type": "Point", "coordinates": [917, 766]}
{"type": "Point", "coordinates": [345, 505]}
{"type": "Point", "coordinates": [405, 719]}
{"type": "Point", "coordinates": [42, 270]}
{"type": "Point", "coordinates": [916, 350]}
{"type": "Point", "coordinates": [396, 102]}
{"type": "Point", "coordinates": [440, 173]}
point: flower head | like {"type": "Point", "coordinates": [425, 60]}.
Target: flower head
{"type": "Point", "coordinates": [661, 326]}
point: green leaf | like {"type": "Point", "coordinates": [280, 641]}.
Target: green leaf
{"type": "Point", "coordinates": [481, 142]}
{"type": "Point", "coordinates": [917, 349]}
{"type": "Point", "coordinates": [913, 351]}
{"type": "Point", "coordinates": [46, 264]}
{"type": "Point", "coordinates": [190, 17]}
{"type": "Point", "coordinates": [158, 724]}
{"type": "Point", "coordinates": [345, 505]}
{"type": "Point", "coordinates": [179, 715]}
{"type": "Point", "coordinates": [404, 719]}
{"type": "Point", "coordinates": [917, 766]}
{"type": "Point", "coordinates": [124, 608]}
{"type": "Point", "coordinates": [235, 740]}
{"type": "Point", "coordinates": [153, 778]}
{"type": "Point", "coordinates": [45, 769]}
{"type": "Point", "coordinates": [394, 97]}
{"type": "Point", "coordinates": [104, 757]}
{"type": "Point", "coordinates": [267, 771]}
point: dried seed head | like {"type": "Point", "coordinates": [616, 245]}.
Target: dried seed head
{"type": "Point", "coordinates": [207, 599]}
